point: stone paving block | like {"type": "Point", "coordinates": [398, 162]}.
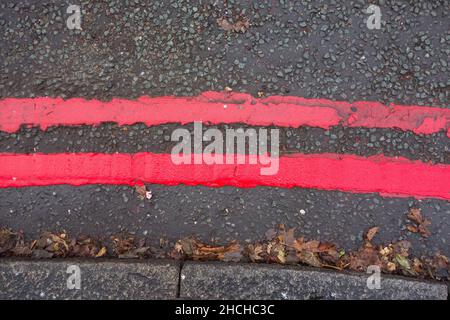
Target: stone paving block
{"type": "Point", "coordinates": [250, 281]}
{"type": "Point", "coordinates": [100, 279]}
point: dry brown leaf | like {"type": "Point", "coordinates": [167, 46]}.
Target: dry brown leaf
{"type": "Point", "coordinates": [290, 237]}
{"type": "Point", "coordinates": [240, 25]}
{"type": "Point", "coordinates": [311, 246]}
{"type": "Point", "coordinates": [255, 252]}
{"type": "Point", "coordinates": [298, 244]}
{"type": "Point", "coordinates": [310, 258]}
{"type": "Point", "coordinates": [281, 254]}
{"type": "Point", "coordinates": [57, 244]}
{"type": "Point", "coordinates": [391, 267]}
{"type": "Point", "coordinates": [363, 258]}
{"type": "Point", "coordinates": [402, 248]}
{"type": "Point", "coordinates": [412, 228]}
{"type": "Point", "coordinates": [440, 261]}
{"type": "Point", "coordinates": [197, 250]}
{"type": "Point", "coordinates": [386, 251]}
{"type": "Point", "coordinates": [417, 265]}
{"type": "Point", "coordinates": [415, 215]}
{"type": "Point", "coordinates": [141, 191]}
{"type": "Point", "coordinates": [8, 240]}
{"type": "Point", "coordinates": [123, 244]}
{"type": "Point", "coordinates": [371, 233]}
{"type": "Point", "coordinates": [326, 247]}
{"type": "Point", "coordinates": [231, 252]}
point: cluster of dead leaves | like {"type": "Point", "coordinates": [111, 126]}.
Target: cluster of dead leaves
{"type": "Point", "coordinates": [240, 25]}
{"type": "Point", "coordinates": [12, 242]}
{"type": "Point", "coordinates": [420, 223]}
{"type": "Point", "coordinates": [193, 249]}
{"type": "Point", "coordinates": [49, 245]}
{"type": "Point", "coordinates": [391, 258]}
{"type": "Point", "coordinates": [125, 247]}
{"type": "Point", "coordinates": [60, 245]}
{"type": "Point", "coordinates": [284, 247]}
{"type": "Point", "coordinates": [281, 246]}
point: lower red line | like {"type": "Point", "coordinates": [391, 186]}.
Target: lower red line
{"type": "Point", "coordinates": [379, 174]}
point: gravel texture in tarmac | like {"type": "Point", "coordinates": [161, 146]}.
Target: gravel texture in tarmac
{"type": "Point", "coordinates": [313, 49]}
{"type": "Point", "coordinates": [220, 215]}
{"type": "Point", "coordinates": [111, 138]}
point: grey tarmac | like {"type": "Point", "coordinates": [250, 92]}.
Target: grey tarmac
{"type": "Point", "coordinates": [219, 215]}
{"type": "Point", "coordinates": [311, 49]}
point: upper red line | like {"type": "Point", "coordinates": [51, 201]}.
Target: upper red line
{"type": "Point", "coordinates": [220, 107]}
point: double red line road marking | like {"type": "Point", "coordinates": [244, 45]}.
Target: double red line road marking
{"type": "Point", "coordinates": [388, 176]}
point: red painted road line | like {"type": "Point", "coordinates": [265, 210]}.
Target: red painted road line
{"type": "Point", "coordinates": [217, 107]}
{"type": "Point", "coordinates": [388, 176]}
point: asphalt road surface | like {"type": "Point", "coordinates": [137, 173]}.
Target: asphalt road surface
{"type": "Point", "coordinates": [311, 49]}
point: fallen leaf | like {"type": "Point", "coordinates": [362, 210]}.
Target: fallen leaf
{"type": "Point", "coordinates": [415, 215]}
{"type": "Point", "coordinates": [364, 257]}
{"type": "Point", "coordinates": [123, 244]}
{"type": "Point", "coordinates": [440, 261]}
{"type": "Point", "coordinates": [8, 240]}
{"type": "Point", "coordinates": [417, 266]}
{"type": "Point", "coordinates": [391, 267]}
{"type": "Point", "coordinates": [311, 246]}
{"type": "Point", "coordinates": [371, 233]}
{"type": "Point", "coordinates": [386, 251]}
{"type": "Point", "coordinates": [281, 255]}
{"type": "Point", "coordinates": [326, 247]}
{"type": "Point", "coordinates": [231, 252]}
{"type": "Point", "coordinates": [402, 247]}
{"type": "Point", "coordinates": [255, 252]}
{"type": "Point", "coordinates": [141, 191]}
{"type": "Point", "coordinates": [310, 259]}
{"type": "Point", "coordinates": [290, 237]}
{"type": "Point", "coordinates": [240, 25]}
